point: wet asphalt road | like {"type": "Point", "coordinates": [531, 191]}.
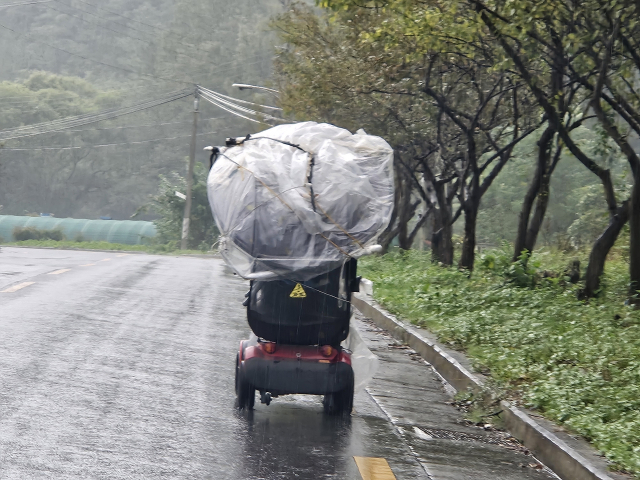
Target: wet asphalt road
{"type": "Point", "coordinates": [121, 367]}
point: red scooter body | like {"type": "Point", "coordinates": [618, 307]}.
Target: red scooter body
{"type": "Point", "coordinates": [277, 369]}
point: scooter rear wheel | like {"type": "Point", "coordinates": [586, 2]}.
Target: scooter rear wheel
{"type": "Point", "coordinates": [244, 390]}
{"type": "Point", "coordinates": [339, 403]}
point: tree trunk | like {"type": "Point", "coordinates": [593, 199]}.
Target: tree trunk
{"type": "Point", "coordinates": [389, 233]}
{"type": "Point", "coordinates": [538, 216]}
{"type": "Point", "coordinates": [419, 226]}
{"type": "Point", "coordinates": [468, 253]}
{"type": "Point", "coordinates": [601, 249]}
{"type": "Point", "coordinates": [387, 236]}
{"type": "Point", "coordinates": [535, 187]}
{"type": "Point", "coordinates": [441, 238]}
{"type": "Point", "coordinates": [634, 243]}
{"type": "Point", "coordinates": [470, 201]}
{"type": "Point", "coordinates": [541, 203]}
{"type": "Point", "coordinates": [405, 214]}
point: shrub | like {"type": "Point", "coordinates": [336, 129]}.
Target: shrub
{"type": "Point", "coordinates": [31, 233]}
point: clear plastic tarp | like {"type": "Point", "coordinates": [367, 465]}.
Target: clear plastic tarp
{"type": "Point", "coordinates": [296, 201]}
{"type": "Point", "coordinates": [363, 361]}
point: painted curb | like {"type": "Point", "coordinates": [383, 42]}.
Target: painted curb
{"type": "Point", "coordinates": [548, 448]}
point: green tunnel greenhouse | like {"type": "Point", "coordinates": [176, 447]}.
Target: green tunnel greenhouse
{"type": "Point", "coordinates": [127, 232]}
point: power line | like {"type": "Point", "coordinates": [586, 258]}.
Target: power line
{"type": "Point", "coordinates": [30, 100]}
{"type": "Point", "coordinates": [129, 127]}
{"type": "Point", "coordinates": [141, 126]}
{"type": "Point", "coordinates": [212, 101]}
{"type": "Point", "coordinates": [268, 107]}
{"type": "Point", "coordinates": [85, 119]}
{"type": "Point", "coordinates": [77, 147]}
{"type": "Point", "coordinates": [227, 103]}
{"type": "Point", "coordinates": [33, 93]}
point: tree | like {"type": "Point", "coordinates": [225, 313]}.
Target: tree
{"type": "Point", "coordinates": [592, 43]}
{"type": "Point", "coordinates": [203, 232]}
{"type": "Point", "coordinates": [569, 39]}
{"type": "Point", "coordinates": [441, 111]}
{"type": "Point", "coordinates": [315, 76]}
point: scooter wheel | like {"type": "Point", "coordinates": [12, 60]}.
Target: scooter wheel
{"type": "Point", "coordinates": [245, 391]}
{"type": "Point", "coordinates": [237, 369]}
{"type": "Point", "coordinates": [339, 403]}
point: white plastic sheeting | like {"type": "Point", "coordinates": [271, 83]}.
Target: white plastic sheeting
{"type": "Point", "coordinates": [363, 361]}
{"type": "Point", "coordinates": [301, 208]}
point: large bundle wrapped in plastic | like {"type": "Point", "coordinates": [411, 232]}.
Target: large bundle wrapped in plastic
{"type": "Point", "coordinates": [297, 201]}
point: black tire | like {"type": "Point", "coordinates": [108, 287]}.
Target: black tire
{"type": "Point", "coordinates": [237, 367]}
{"type": "Point", "coordinates": [245, 391]}
{"type": "Point", "coordinates": [339, 403]}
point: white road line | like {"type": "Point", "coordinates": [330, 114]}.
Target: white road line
{"type": "Point", "coordinates": [15, 288]}
{"type": "Point", "coordinates": [123, 255]}
{"type": "Point", "coordinates": [58, 272]}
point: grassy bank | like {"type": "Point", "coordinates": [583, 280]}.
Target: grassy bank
{"type": "Point", "coordinates": [578, 363]}
{"type": "Point", "coordinates": [68, 244]}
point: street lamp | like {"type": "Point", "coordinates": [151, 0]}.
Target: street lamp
{"type": "Point", "coordinates": [244, 86]}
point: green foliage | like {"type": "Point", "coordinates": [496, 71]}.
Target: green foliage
{"type": "Point", "coordinates": [578, 363]}
{"type": "Point", "coordinates": [31, 233]}
{"type": "Point", "coordinates": [203, 232]}
{"type": "Point", "coordinates": [523, 272]}
{"type": "Point", "coordinates": [328, 74]}
{"type": "Point", "coordinates": [577, 210]}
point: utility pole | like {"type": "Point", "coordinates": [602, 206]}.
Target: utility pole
{"type": "Point", "coordinates": [186, 219]}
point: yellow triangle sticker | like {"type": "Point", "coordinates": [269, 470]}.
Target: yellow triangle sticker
{"type": "Point", "coordinates": [298, 292]}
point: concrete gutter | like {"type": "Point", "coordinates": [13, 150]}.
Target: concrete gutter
{"type": "Point", "coordinates": [565, 461]}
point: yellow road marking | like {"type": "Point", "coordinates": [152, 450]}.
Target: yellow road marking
{"type": "Point", "coordinates": [15, 288]}
{"type": "Point", "coordinates": [105, 260]}
{"type": "Point", "coordinates": [374, 468]}
{"type": "Point", "coordinates": [88, 265]}
{"type": "Point", "coordinates": [58, 272]}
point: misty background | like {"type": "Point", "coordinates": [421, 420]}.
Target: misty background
{"type": "Point", "coordinates": [71, 57]}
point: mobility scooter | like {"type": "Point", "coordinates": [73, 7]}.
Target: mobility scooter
{"type": "Point", "coordinates": [296, 205]}
{"type": "Point", "coordinates": [298, 329]}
